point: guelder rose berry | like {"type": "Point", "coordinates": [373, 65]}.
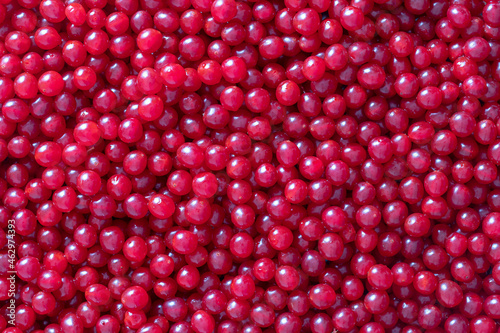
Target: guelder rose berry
{"type": "Point", "coordinates": [269, 166]}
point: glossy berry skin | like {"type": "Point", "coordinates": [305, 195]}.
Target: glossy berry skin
{"type": "Point", "coordinates": [265, 166]}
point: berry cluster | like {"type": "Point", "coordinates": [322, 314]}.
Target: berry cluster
{"type": "Point", "coordinates": [295, 166]}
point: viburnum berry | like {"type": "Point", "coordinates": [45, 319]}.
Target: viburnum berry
{"type": "Point", "coordinates": [227, 166]}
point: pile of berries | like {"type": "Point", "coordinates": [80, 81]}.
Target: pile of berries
{"type": "Point", "coordinates": [286, 166]}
